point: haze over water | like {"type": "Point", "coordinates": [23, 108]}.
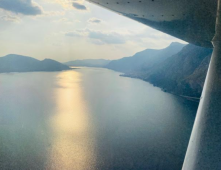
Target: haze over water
{"type": "Point", "coordinates": [90, 119]}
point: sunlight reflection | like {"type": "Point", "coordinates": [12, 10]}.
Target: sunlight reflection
{"type": "Point", "coordinates": [72, 146]}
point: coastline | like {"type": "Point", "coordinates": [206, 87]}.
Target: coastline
{"type": "Point", "coordinates": [191, 98]}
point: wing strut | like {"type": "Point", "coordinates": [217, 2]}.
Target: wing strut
{"type": "Point", "coordinates": [204, 150]}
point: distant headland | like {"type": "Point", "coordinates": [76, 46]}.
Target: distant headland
{"type": "Point", "coordinates": [19, 63]}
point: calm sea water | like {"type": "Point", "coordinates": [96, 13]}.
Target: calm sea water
{"type": "Point", "coordinates": [90, 119]}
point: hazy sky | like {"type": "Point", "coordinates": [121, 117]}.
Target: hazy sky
{"type": "Point", "coordinates": [72, 29]}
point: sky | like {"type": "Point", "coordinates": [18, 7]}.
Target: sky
{"type": "Point", "coordinates": [67, 30]}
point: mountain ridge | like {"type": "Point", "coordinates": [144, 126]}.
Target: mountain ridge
{"type": "Point", "coordinates": [20, 63]}
{"type": "Point", "coordinates": [88, 63]}
{"type": "Point", "coordinates": [183, 73]}
{"type": "Point", "coordinates": [144, 59]}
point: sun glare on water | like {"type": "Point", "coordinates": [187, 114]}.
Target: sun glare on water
{"type": "Point", "coordinates": [72, 142]}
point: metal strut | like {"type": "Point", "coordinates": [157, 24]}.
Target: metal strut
{"type": "Point", "coordinates": [204, 150]}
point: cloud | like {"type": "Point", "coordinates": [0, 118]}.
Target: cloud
{"type": "Point", "coordinates": [54, 13]}
{"type": "Point", "coordinates": [107, 37]}
{"type": "Point", "coordinates": [94, 21]}
{"type": "Point", "coordinates": [79, 6]}
{"type": "Point", "coordinates": [99, 37]}
{"type": "Point", "coordinates": [66, 4]}
{"type": "Point", "coordinates": [10, 18]}
{"type": "Point", "coordinates": [65, 21]}
{"type": "Point", "coordinates": [144, 37]}
{"type": "Point", "coordinates": [25, 7]}
{"type": "Point", "coordinates": [70, 4]}
{"type": "Point", "coordinates": [77, 33]}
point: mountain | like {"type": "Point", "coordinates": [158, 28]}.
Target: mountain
{"type": "Point", "coordinates": [145, 59]}
{"type": "Point", "coordinates": [183, 73]}
{"type": "Point", "coordinates": [19, 63]}
{"type": "Point", "coordinates": [88, 63]}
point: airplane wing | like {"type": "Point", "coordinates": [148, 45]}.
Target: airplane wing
{"type": "Point", "coordinates": [190, 20]}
